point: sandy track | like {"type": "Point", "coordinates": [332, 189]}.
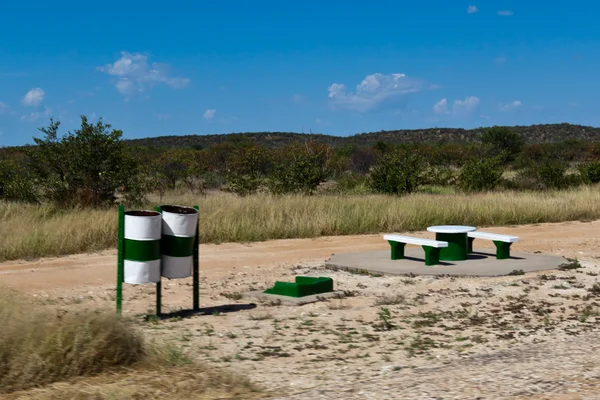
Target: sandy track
{"type": "Point", "coordinates": [572, 239]}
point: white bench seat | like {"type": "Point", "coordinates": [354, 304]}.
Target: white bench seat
{"type": "Point", "coordinates": [502, 242]}
{"type": "Point", "coordinates": [431, 247]}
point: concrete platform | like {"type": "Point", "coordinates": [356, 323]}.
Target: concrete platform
{"type": "Point", "coordinates": [482, 262]}
{"type": "Point", "coordinates": [291, 301]}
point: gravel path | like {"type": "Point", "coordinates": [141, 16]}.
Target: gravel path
{"type": "Point", "coordinates": [568, 369]}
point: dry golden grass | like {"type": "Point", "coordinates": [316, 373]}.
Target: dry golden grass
{"type": "Point", "coordinates": [35, 231]}
{"type": "Point", "coordinates": [40, 346]}
{"type": "Point", "coordinates": [49, 354]}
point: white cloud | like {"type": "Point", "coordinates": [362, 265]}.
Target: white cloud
{"type": "Point", "coordinates": [4, 108]}
{"type": "Point", "coordinates": [374, 91]}
{"type": "Point", "coordinates": [459, 107]}
{"type": "Point", "coordinates": [135, 74]}
{"type": "Point", "coordinates": [34, 97]}
{"type": "Point", "coordinates": [472, 9]}
{"type": "Point", "coordinates": [34, 116]}
{"type": "Point", "coordinates": [510, 106]}
{"type": "Point", "coordinates": [441, 107]}
{"type": "Point", "coordinates": [209, 114]}
{"type": "Point", "coordinates": [505, 13]}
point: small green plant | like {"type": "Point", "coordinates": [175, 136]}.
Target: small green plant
{"type": "Point", "coordinates": [571, 264]}
{"type": "Point", "coordinates": [385, 317]}
{"type": "Point", "coordinates": [233, 296]}
{"type": "Point", "coordinates": [595, 290]}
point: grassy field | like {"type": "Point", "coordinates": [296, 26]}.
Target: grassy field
{"type": "Point", "coordinates": [30, 231]}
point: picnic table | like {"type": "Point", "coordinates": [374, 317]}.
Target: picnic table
{"type": "Point", "coordinates": [456, 236]}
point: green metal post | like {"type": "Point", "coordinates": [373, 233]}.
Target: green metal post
{"type": "Point", "coordinates": [397, 250]}
{"type": "Point", "coordinates": [432, 255]}
{"type": "Point", "coordinates": [120, 258]}
{"type": "Point", "coordinates": [502, 250]}
{"type": "Point", "coordinates": [470, 244]}
{"type": "Point", "coordinates": [159, 286]}
{"type": "Point", "coordinates": [197, 264]}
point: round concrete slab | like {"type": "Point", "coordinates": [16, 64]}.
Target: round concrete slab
{"type": "Point", "coordinates": [482, 262]}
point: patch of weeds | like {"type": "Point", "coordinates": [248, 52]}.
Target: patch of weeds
{"type": "Point", "coordinates": [571, 264]}
{"type": "Point", "coordinates": [231, 335]}
{"type": "Point", "coordinates": [390, 299]}
{"type": "Point", "coordinates": [364, 272]}
{"type": "Point", "coordinates": [409, 281]}
{"type": "Point", "coordinates": [591, 273]}
{"type": "Point", "coordinates": [516, 272]}
{"type": "Point", "coordinates": [545, 277]}
{"type": "Point", "coordinates": [587, 312]}
{"type": "Point", "coordinates": [427, 319]}
{"type": "Point", "coordinates": [152, 319]}
{"type": "Point", "coordinates": [262, 317]}
{"type": "Point", "coordinates": [595, 290]}
{"type": "Point", "coordinates": [420, 345]}
{"type": "Point", "coordinates": [344, 294]}
{"type": "Point", "coordinates": [385, 317]}
{"type": "Point", "coordinates": [561, 286]}
{"type": "Point", "coordinates": [232, 296]}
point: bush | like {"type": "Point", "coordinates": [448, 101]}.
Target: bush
{"type": "Point", "coordinates": [504, 142]}
{"type": "Point", "coordinates": [590, 172]}
{"type": "Point", "coordinates": [550, 173]}
{"type": "Point", "coordinates": [85, 167]}
{"type": "Point", "coordinates": [247, 168]}
{"type": "Point", "coordinates": [398, 172]}
{"type": "Point", "coordinates": [16, 184]}
{"type": "Point", "coordinates": [300, 168]}
{"type": "Point", "coordinates": [37, 347]}
{"type": "Point", "coordinates": [439, 176]}
{"type": "Point", "coordinates": [481, 174]}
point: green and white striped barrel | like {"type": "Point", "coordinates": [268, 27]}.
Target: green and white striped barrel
{"type": "Point", "coordinates": [177, 246]}
{"type": "Point", "coordinates": [143, 231]}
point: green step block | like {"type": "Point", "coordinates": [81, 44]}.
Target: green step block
{"type": "Point", "coordinates": [304, 286]}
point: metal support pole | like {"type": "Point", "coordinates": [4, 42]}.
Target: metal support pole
{"type": "Point", "coordinates": [120, 258]}
{"type": "Point", "coordinates": [159, 285]}
{"type": "Point", "coordinates": [197, 265]}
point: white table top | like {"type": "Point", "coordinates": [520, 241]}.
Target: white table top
{"type": "Point", "coordinates": [451, 229]}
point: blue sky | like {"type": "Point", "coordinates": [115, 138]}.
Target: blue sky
{"type": "Point", "coordinates": [338, 67]}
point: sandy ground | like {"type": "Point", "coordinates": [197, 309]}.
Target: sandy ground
{"type": "Point", "coordinates": [530, 336]}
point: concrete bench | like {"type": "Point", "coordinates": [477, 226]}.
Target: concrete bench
{"type": "Point", "coordinates": [502, 242]}
{"type": "Point", "coordinates": [431, 247]}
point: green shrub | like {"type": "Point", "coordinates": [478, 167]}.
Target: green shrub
{"type": "Point", "coordinates": [549, 173]}
{"type": "Point", "coordinates": [504, 141]}
{"type": "Point", "coordinates": [300, 168]}
{"type": "Point", "coordinates": [590, 172]}
{"type": "Point", "coordinates": [246, 169]}
{"type": "Point", "coordinates": [439, 176]}
{"type": "Point", "coordinates": [481, 174]}
{"type": "Point", "coordinates": [16, 184]}
{"type": "Point", "coordinates": [398, 172]}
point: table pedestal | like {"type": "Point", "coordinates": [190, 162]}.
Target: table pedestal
{"type": "Point", "coordinates": [457, 246]}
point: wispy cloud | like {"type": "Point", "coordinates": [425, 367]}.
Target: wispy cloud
{"type": "Point", "coordinates": [373, 92]}
{"type": "Point", "coordinates": [209, 114]}
{"type": "Point", "coordinates": [34, 116]}
{"type": "Point", "coordinates": [472, 9]}
{"type": "Point", "coordinates": [510, 106]}
{"type": "Point", "coordinates": [34, 97]}
{"type": "Point", "coordinates": [459, 107]}
{"type": "Point", "coordinates": [135, 74]}
{"type": "Point", "coordinates": [505, 13]}
{"type": "Point", "coordinates": [4, 108]}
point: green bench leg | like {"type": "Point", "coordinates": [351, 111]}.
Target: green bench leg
{"type": "Point", "coordinates": [470, 245]}
{"type": "Point", "coordinates": [397, 250]}
{"type": "Point", "coordinates": [432, 255]}
{"type": "Point", "coordinates": [502, 250]}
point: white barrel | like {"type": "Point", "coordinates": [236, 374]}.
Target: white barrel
{"type": "Point", "coordinates": [178, 236]}
{"type": "Point", "coordinates": [142, 256]}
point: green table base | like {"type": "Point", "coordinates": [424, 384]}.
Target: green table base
{"type": "Point", "coordinates": [457, 246]}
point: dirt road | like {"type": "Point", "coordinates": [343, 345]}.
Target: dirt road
{"type": "Point", "coordinates": [573, 239]}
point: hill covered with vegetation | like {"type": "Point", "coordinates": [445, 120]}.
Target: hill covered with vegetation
{"type": "Point", "coordinates": [551, 133]}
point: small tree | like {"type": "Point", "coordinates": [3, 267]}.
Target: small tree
{"type": "Point", "coordinates": [85, 167]}
{"type": "Point", "coordinates": [504, 142]}
{"type": "Point", "coordinates": [590, 171]}
{"type": "Point", "coordinates": [247, 168]}
{"type": "Point", "coordinates": [481, 174]}
{"type": "Point", "coordinates": [398, 172]}
{"type": "Point", "coordinates": [300, 168]}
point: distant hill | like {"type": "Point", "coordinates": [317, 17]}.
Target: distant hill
{"type": "Point", "coordinates": [532, 134]}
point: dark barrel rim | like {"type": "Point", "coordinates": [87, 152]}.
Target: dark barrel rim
{"type": "Point", "coordinates": [178, 210]}
{"type": "Point", "coordinates": [142, 213]}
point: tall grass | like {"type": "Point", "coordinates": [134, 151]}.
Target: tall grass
{"type": "Point", "coordinates": [38, 347]}
{"type": "Point", "coordinates": [34, 231]}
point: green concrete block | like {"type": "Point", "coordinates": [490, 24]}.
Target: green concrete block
{"type": "Point", "coordinates": [303, 286]}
